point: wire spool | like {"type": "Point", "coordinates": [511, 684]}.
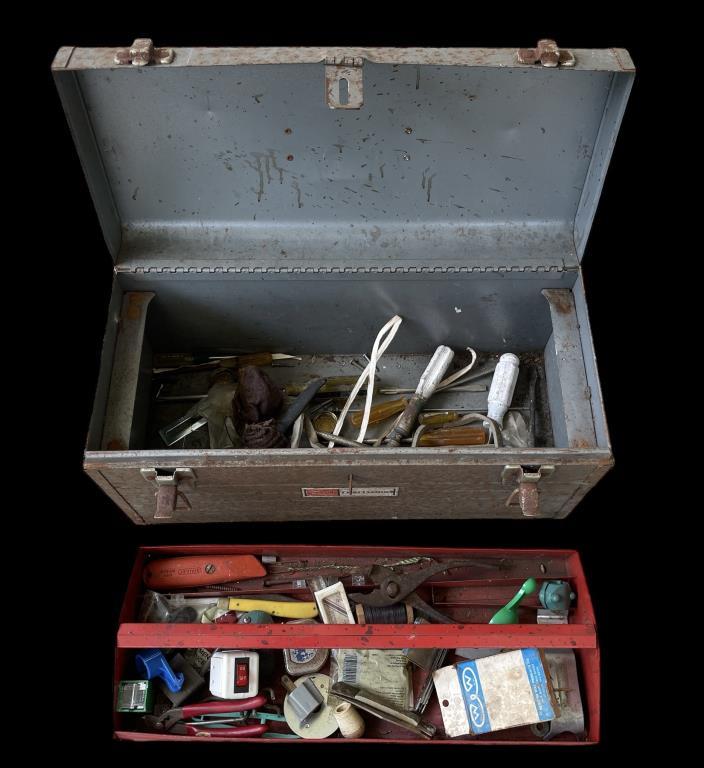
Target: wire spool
{"type": "Point", "coordinates": [325, 421]}
{"type": "Point", "coordinates": [399, 613]}
{"type": "Point", "coordinates": [349, 720]}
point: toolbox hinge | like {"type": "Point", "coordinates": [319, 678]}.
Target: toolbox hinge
{"type": "Point", "coordinates": [526, 495]}
{"type": "Point", "coordinates": [170, 486]}
{"type": "Point", "coordinates": [344, 82]}
{"type": "Point", "coordinates": [547, 54]}
{"type": "Point", "coordinates": [143, 52]}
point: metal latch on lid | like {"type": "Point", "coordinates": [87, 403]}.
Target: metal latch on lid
{"type": "Point", "coordinates": [547, 54]}
{"type": "Point", "coordinates": [526, 495]}
{"type": "Point", "coordinates": [170, 485]}
{"type": "Point", "coordinates": [344, 82]}
{"type": "Point", "coordinates": [143, 52]}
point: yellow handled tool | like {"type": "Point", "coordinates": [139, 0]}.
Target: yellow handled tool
{"type": "Point", "coordinates": [293, 609]}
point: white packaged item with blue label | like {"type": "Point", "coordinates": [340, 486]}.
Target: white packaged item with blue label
{"type": "Point", "coordinates": [496, 692]}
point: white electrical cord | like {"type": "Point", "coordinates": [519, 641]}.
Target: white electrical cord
{"type": "Point", "coordinates": [450, 380]}
{"type": "Point", "coordinates": [382, 341]}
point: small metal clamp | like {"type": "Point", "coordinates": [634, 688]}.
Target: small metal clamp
{"type": "Point", "coordinates": [526, 495]}
{"type": "Point", "coordinates": [170, 490]}
{"type": "Point", "coordinates": [143, 52]}
{"type": "Point", "coordinates": [547, 54]}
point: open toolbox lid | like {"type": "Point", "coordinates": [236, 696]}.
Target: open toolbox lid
{"type": "Point", "coordinates": [209, 159]}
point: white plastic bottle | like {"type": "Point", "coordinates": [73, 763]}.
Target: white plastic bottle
{"type": "Point", "coordinates": [502, 386]}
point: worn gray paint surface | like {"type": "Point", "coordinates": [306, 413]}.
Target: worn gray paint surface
{"type": "Point", "coordinates": [455, 159]}
{"type": "Point", "coordinates": [266, 485]}
{"type": "Point", "coordinates": [569, 377]}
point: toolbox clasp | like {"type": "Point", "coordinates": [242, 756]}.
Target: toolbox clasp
{"type": "Point", "coordinates": [547, 54]}
{"type": "Point", "coordinates": [526, 495]}
{"type": "Point", "coordinates": [344, 82]}
{"type": "Point", "coordinates": [143, 52]}
{"type": "Point", "coordinates": [170, 487]}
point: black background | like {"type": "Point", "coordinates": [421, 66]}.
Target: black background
{"type": "Point", "coordinates": [101, 540]}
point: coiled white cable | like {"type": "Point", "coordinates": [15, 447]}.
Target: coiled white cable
{"type": "Point", "coordinates": [454, 378]}
{"type": "Point", "coordinates": [382, 341]}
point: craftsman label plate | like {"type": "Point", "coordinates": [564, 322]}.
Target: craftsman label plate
{"type": "Point", "coordinates": [375, 491]}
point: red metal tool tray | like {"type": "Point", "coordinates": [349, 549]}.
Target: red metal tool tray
{"type": "Point", "coordinates": [472, 630]}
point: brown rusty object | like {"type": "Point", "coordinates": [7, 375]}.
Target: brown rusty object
{"type": "Point", "coordinates": [257, 398]}
{"type": "Point", "coordinates": [547, 54]}
{"type": "Point", "coordinates": [528, 499]}
{"type": "Point", "coordinates": [167, 499]}
{"type": "Point", "coordinates": [264, 435]}
{"type": "Point", "coordinates": [143, 52]}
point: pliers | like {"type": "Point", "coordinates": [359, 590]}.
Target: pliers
{"type": "Point", "coordinates": [391, 587]}
{"type": "Point", "coordinates": [172, 721]}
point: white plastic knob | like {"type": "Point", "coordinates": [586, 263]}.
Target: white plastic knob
{"type": "Point", "coordinates": [502, 386]}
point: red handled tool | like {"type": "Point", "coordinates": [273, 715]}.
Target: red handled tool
{"type": "Point", "coordinates": [172, 720]}
{"type": "Point", "coordinates": [200, 570]}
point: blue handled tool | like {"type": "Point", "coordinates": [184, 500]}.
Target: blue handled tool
{"type": "Point", "coordinates": [153, 663]}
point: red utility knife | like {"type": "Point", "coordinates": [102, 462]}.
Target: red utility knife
{"type": "Point", "coordinates": [200, 570]}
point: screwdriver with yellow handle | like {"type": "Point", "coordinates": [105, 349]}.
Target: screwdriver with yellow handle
{"type": "Point", "coordinates": [380, 411]}
{"type": "Point", "coordinates": [293, 609]}
{"type": "Point", "coordinates": [437, 438]}
{"type": "Point", "coordinates": [437, 418]}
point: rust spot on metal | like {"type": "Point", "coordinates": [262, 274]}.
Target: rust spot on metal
{"type": "Point", "coordinates": [561, 302]}
{"type": "Point", "coordinates": [287, 130]}
{"type": "Point", "coordinates": [143, 52]}
{"type": "Point", "coordinates": [289, 157]}
{"type": "Point", "coordinates": [134, 306]}
{"type": "Point", "coordinates": [581, 443]}
{"type": "Point", "coordinates": [547, 54]}
{"type": "Point", "coordinates": [116, 445]}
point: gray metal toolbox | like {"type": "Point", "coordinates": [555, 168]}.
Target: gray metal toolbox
{"type": "Point", "coordinates": [293, 200]}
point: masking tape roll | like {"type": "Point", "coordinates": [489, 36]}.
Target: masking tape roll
{"type": "Point", "coordinates": [349, 720]}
